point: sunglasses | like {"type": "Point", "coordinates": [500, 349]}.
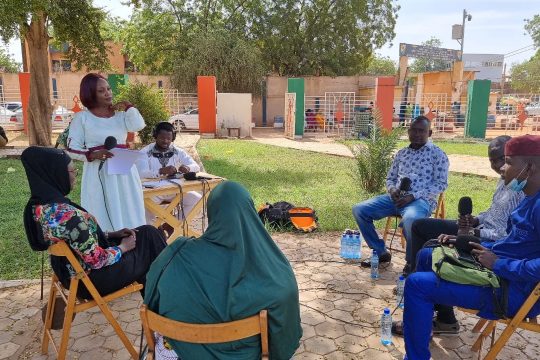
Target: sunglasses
{"type": "Point", "coordinates": [166, 155]}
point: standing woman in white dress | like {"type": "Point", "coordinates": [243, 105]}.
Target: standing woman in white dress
{"type": "Point", "coordinates": [115, 200]}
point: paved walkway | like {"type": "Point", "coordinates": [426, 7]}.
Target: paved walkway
{"type": "Point", "coordinates": [340, 311]}
{"type": "Point", "coordinates": [466, 164]}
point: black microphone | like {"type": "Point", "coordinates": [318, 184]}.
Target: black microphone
{"type": "Point", "coordinates": [110, 143]}
{"type": "Point", "coordinates": [404, 186]}
{"type": "Point", "coordinates": [465, 207]}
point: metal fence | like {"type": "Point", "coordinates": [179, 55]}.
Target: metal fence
{"type": "Point", "coordinates": [342, 114]}
{"type": "Point", "coordinates": [179, 103]}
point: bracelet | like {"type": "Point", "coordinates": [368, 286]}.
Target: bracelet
{"type": "Point", "coordinates": [106, 235]}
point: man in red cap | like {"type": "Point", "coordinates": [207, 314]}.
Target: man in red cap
{"type": "Point", "coordinates": [515, 259]}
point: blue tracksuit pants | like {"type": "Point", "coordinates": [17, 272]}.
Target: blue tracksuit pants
{"type": "Point", "coordinates": [423, 289]}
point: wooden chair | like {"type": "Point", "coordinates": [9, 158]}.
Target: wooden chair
{"type": "Point", "coordinates": [204, 333]}
{"type": "Point", "coordinates": [518, 321]}
{"type": "Point", "coordinates": [439, 213]}
{"type": "Point", "coordinates": [75, 305]}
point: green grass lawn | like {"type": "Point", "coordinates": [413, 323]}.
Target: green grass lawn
{"type": "Point", "coordinates": [476, 148]}
{"type": "Point", "coordinates": [271, 174]}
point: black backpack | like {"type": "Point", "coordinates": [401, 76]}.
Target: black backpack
{"type": "Point", "coordinates": [283, 214]}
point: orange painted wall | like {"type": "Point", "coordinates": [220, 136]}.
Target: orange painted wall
{"type": "Point", "coordinates": [206, 91]}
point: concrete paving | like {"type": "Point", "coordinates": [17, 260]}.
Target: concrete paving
{"type": "Point", "coordinates": [340, 311]}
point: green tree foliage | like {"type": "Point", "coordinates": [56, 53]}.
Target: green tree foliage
{"type": "Point", "coordinates": [525, 76]}
{"type": "Point", "coordinates": [76, 23]}
{"type": "Point", "coordinates": [294, 37]}
{"type": "Point", "coordinates": [532, 26]}
{"type": "Point", "coordinates": [236, 63]}
{"type": "Point", "coordinates": [150, 103]}
{"type": "Point", "coordinates": [375, 156]}
{"type": "Point", "coordinates": [427, 64]}
{"type": "Point", "coordinates": [7, 63]}
{"type": "Point", "coordinates": [380, 65]}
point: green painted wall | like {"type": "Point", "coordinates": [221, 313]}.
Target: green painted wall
{"type": "Point", "coordinates": [477, 108]}
{"type": "Point", "coordinates": [296, 85]}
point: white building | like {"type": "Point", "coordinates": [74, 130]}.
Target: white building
{"type": "Point", "coordinates": [488, 66]}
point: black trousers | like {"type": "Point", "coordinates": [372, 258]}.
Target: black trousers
{"type": "Point", "coordinates": [132, 266]}
{"type": "Point", "coordinates": [422, 231]}
{"type": "Point", "coordinates": [426, 229]}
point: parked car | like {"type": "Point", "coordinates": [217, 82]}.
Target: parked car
{"type": "Point", "coordinates": [9, 120]}
{"type": "Point", "coordinates": [187, 120]}
{"type": "Point", "coordinates": [12, 105]}
{"type": "Point", "coordinates": [533, 109]}
{"type": "Point", "coordinates": [60, 117]}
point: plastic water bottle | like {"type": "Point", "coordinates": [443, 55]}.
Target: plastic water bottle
{"type": "Point", "coordinates": [374, 265]}
{"type": "Point", "coordinates": [356, 245]}
{"type": "Point", "coordinates": [386, 327]}
{"type": "Point", "coordinates": [343, 250]}
{"type": "Point", "coordinates": [400, 289]}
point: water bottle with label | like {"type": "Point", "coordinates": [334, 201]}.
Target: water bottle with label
{"type": "Point", "coordinates": [343, 245]}
{"type": "Point", "coordinates": [386, 327]}
{"type": "Point", "coordinates": [355, 246]}
{"type": "Point", "coordinates": [374, 265]}
{"type": "Point", "coordinates": [400, 290]}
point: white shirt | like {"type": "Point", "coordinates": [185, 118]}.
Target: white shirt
{"type": "Point", "coordinates": [155, 160]}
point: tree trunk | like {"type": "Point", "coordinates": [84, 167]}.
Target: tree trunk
{"type": "Point", "coordinates": [39, 108]}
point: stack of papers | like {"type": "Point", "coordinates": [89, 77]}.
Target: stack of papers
{"type": "Point", "coordinates": [161, 183]}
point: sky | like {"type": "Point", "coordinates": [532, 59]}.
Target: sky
{"type": "Point", "coordinates": [496, 26]}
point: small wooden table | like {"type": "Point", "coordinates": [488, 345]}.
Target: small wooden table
{"type": "Point", "coordinates": [164, 213]}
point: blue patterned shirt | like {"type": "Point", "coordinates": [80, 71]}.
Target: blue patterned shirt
{"type": "Point", "coordinates": [427, 168]}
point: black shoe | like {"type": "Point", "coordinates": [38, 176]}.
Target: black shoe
{"type": "Point", "coordinates": [406, 270]}
{"type": "Point", "coordinates": [384, 258]}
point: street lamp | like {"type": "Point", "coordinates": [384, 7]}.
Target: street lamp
{"type": "Point", "coordinates": [458, 31]}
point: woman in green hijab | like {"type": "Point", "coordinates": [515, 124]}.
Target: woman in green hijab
{"type": "Point", "coordinates": [231, 272]}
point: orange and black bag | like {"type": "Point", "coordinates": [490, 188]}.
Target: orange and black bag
{"type": "Point", "coordinates": [284, 214]}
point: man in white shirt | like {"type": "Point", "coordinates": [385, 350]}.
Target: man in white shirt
{"type": "Point", "coordinates": [163, 158]}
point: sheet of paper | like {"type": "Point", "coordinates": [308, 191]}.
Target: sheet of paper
{"type": "Point", "coordinates": [122, 161]}
{"type": "Point", "coordinates": [161, 183]}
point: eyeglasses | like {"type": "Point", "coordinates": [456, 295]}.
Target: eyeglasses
{"type": "Point", "coordinates": [74, 171]}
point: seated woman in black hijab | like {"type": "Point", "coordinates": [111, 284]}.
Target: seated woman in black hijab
{"type": "Point", "coordinates": [112, 260]}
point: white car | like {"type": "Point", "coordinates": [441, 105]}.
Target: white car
{"type": "Point", "coordinates": [9, 119]}
{"type": "Point", "coordinates": [187, 120]}
{"type": "Point", "coordinates": [533, 109]}
{"type": "Point", "coordinates": [60, 118]}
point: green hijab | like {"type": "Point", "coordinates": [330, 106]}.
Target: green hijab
{"type": "Point", "coordinates": [231, 272]}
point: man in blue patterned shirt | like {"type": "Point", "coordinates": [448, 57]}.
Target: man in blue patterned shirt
{"type": "Point", "coordinates": [426, 166]}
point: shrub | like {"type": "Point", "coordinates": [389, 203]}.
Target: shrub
{"type": "Point", "coordinates": [151, 104]}
{"type": "Point", "coordinates": [374, 157]}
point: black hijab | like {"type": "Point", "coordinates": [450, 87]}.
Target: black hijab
{"type": "Point", "coordinates": [48, 177]}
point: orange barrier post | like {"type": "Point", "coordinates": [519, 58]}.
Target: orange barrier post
{"type": "Point", "coordinates": [384, 99]}
{"type": "Point", "coordinates": [206, 92]}
{"type": "Point", "coordinates": [24, 87]}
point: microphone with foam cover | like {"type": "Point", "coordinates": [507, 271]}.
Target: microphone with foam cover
{"type": "Point", "coordinates": [404, 186]}
{"type": "Point", "coordinates": [110, 143]}
{"type": "Point", "coordinates": [465, 207]}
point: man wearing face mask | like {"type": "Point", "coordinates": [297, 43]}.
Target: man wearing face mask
{"type": "Point", "coordinates": [514, 258]}
{"type": "Point", "coordinates": [490, 225]}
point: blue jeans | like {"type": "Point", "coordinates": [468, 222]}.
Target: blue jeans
{"type": "Point", "coordinates": [423, 289]}
{"type": "Point", "coordinates": [382, 206]}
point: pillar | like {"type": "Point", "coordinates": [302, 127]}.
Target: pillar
{"type": "Point", "coordinates": [206, 93]}
{"type": "Point", "coordinates": [296, 85]}
{"type": "Point", "coordinates": [384, 99]}
{"type": "Point", "coordinates": [24, 88]}
{"type": "Point", "coordinates": [477, 108]}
